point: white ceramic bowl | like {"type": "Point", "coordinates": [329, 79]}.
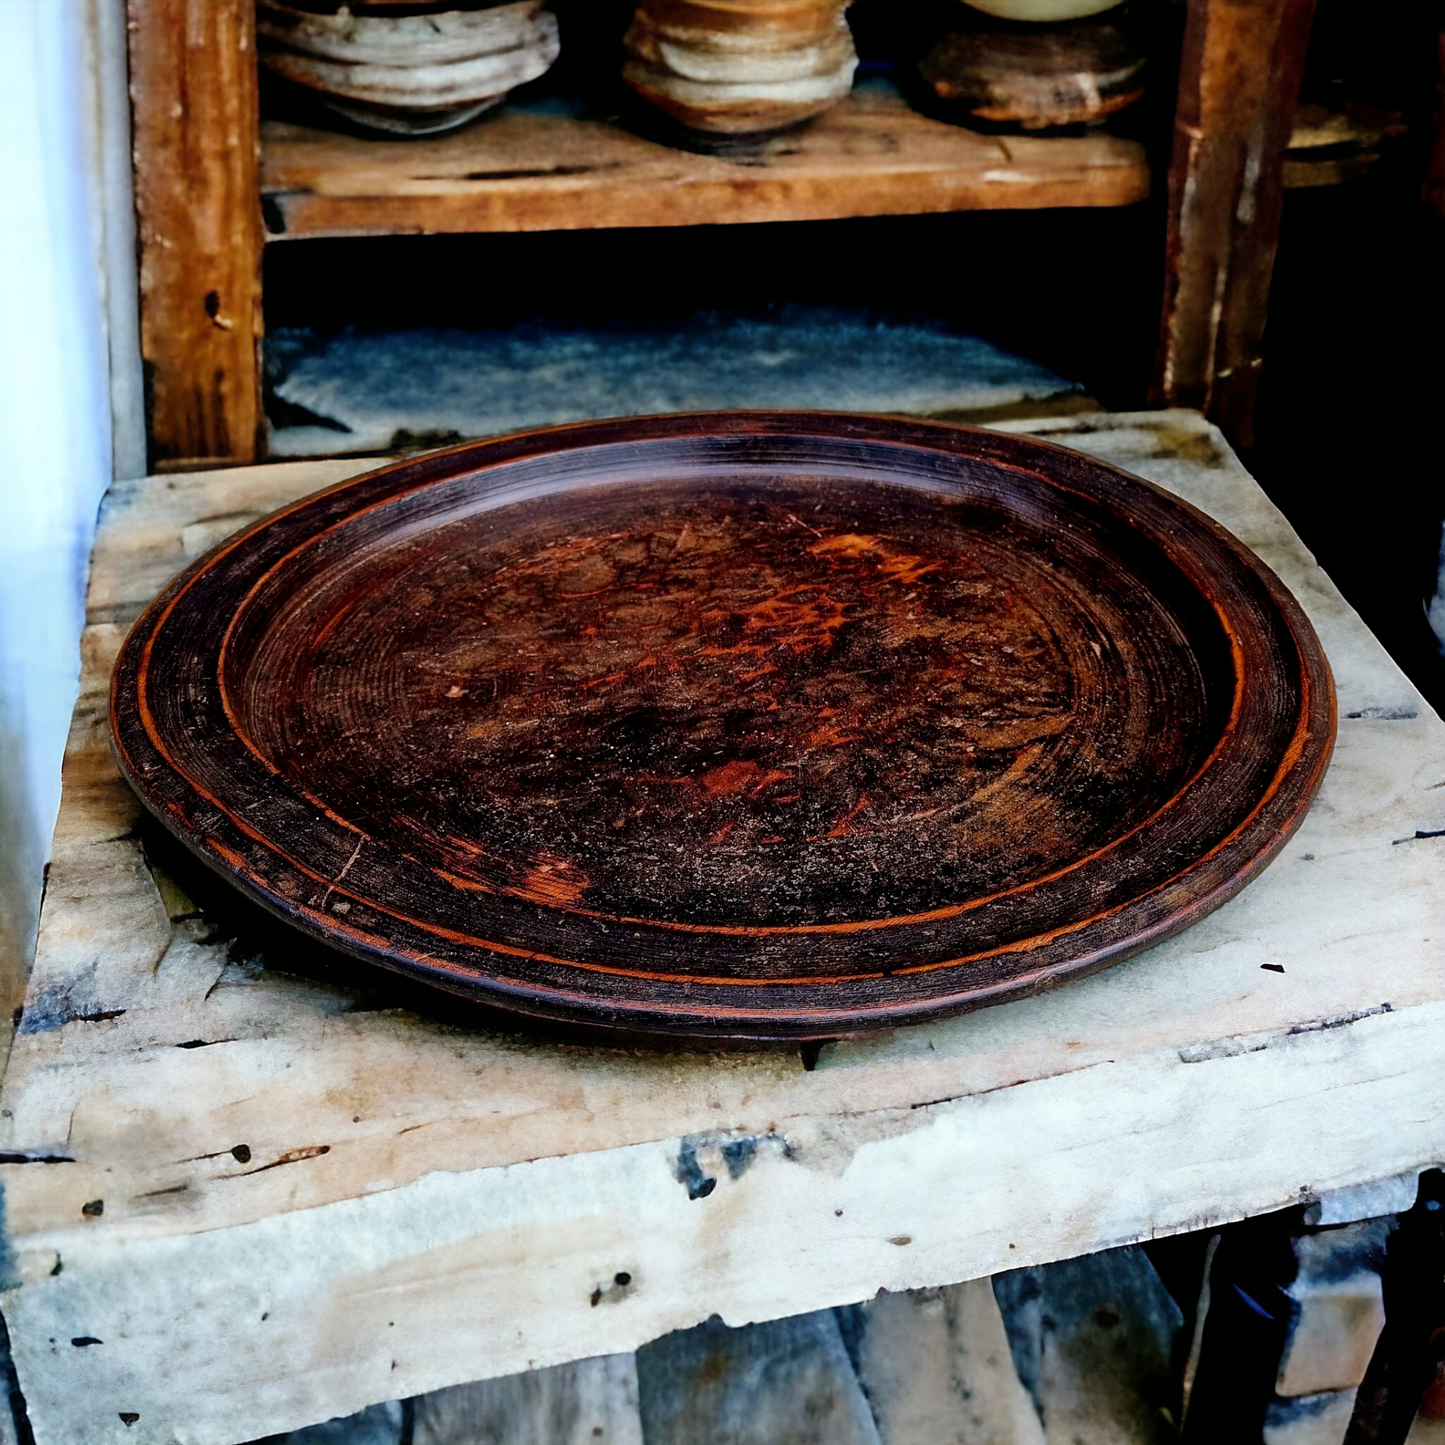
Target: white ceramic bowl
{"type": "Point", "coordinates": [1042, 11]}
{"type": "Point", "coordinates": [410, 74]}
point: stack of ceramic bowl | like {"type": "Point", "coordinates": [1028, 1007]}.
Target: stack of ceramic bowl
{"type": "Point", "coordinates": [740, 67]}
{"type": "Point", "coordinates": [1037, 64]}
{"type": "Point", "coordinates": [418, 72]}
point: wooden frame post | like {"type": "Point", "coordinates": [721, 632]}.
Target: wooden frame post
{"type": "Point", "coordinates": [1239, 81]}
{"type": "Point", "coordinates": [198, 207]}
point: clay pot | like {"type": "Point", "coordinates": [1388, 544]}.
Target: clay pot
{"type": "Point", "coordinates": [1042, 11]}
{"type": "Point", "coordinates": [1035, 78]}
{"type": "Point", "coordinates": [409, 74]}
{"type": "Point", "coordinates": [1328, 147]}
{"type": "Point", "coordinates": [740, 67]}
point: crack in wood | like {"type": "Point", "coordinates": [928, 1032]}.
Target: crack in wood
{"type": "Point", "coordinates": [292, 1156]}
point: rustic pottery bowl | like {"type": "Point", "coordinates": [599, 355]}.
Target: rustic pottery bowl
{"type": "Point", "coordinates": [1035, 79]}
{"type": "Point", "coordinates": [740, 67]}
{"type": "Point", "coordinates": [409, 74]}
{"type": "Point", "coordinates": [1042, 11]}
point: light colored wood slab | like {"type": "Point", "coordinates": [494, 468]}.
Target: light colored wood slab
{"type": "Point", "coordinates": [423, 1206]}
{"type": "Point", "coordinates": [198, 212]}
{"type": "Point", "coordinates": [1340, 1309]}
{"type": "Point", "coordinates": [937, 1370]}
{"type": "Point", "coordinates": [521, 171]}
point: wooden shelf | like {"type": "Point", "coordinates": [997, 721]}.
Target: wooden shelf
{"type": "Point", "coordinates": [529, 170]}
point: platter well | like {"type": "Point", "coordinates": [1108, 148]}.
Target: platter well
{"type": "Point", "coordinates": [732, 725]}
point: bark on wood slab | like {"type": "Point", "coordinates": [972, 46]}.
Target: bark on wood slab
{"type": "Point", "coordinates": [413, 1205]}
{"type": "Point", "coordinates": [870, 156]}
{"type": "Point", "coordinates": [193, 91]}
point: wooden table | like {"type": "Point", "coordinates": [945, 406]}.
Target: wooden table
{"type": "Point", "coordinates": [239, 1201]}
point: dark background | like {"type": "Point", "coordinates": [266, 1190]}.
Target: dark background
{"type": "Point", "coordinates": [1349, 404]}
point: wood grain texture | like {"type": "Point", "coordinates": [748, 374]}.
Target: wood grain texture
{"type": "Point", "coordinates": [1094, 1341]}
{"type": "Point", "coordinates": [428, 1202]}
{"type": "Point", "coordinates": [1239, 80]}
{"type": "Point", "coordinates": [194, 99]}
{"type": "Point", "coordinates": [937, 1369]}
{"type": "Point", "coordinates": [587, 1402]}
{"type": "Point", "coordinates": [736, 725]}
{"type": "Point", "coordinates": [869, 156]}
{"type": "Point", "coordinates": [783, 1382]}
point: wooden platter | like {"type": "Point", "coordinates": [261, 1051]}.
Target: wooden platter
{"type": "Point", "coordinates": [732, 725]}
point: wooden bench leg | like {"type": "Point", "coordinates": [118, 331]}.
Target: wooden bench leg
{"type": "Point", "coordinates": [1238, 84]}
{"type": "Point", "coordinates": [781, 1382]}
{"type": "Point", "coordinates": [589, 1402]}
{"type": "Point", "coordinates": [198, 206]}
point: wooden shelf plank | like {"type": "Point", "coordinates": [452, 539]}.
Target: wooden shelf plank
{"type": "Point", "coordinates": [526, 170]}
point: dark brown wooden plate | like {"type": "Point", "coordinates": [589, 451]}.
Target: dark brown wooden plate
{"type": "Point", "coordinates": [737, 725]}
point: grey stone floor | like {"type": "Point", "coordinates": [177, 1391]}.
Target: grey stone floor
{"type": "Point", "coordinates": [364, 391]}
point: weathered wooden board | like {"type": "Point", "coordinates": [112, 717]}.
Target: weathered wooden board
{"type": "Point", "coordinates": [782, 1382]}
{"type": "Point", "coordinates": [333, 1203]}
{"type": "Point", "coordinates": [588, 1402]}
{"type": "Point", "coordinates": [1093, 1339]}
{"type": "Point", "coordinates": [521, 171]}
{"type": "Point", "coordinates": [194, 99]}
{"type": "Point", "coordinates": [937, 1369]}
{"type": "Point", "coordinates": [1239, 79]}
